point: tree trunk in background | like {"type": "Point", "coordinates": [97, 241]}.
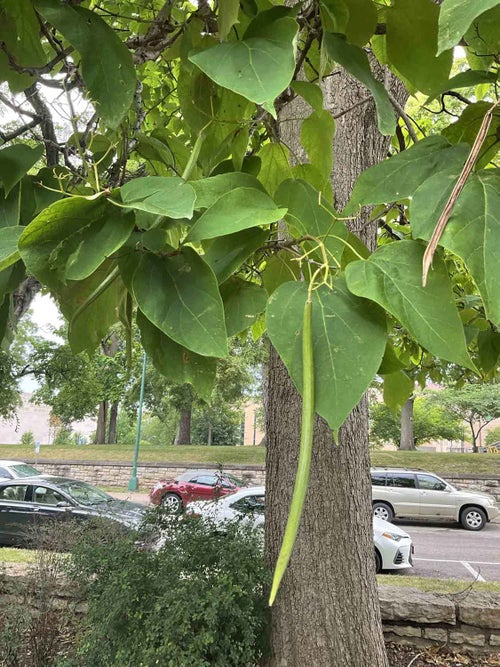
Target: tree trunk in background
{"type": "Point", "coordinates": [407, 436]}
{"type": "Point", "coordinates": [183, 436]}
{"type": "Point", "coordinates": [113, 418]}
{"type": "Point", "coordinates": [327, 612]}
{"type": "Point", "coordinates": [102, 419]}
{"type": "Point", "coordinates": [209, 435]}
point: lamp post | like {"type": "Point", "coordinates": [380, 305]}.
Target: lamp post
{"type": "Point", "coordinates": [133, 483]}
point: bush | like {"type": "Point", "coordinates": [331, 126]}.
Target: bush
{"type": "Point", "coordinates": [198, 600]}
{"type": "Point", "coordinates": [28, 439]}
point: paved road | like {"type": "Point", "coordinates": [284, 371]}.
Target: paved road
{"type": "Point", "coordinates": [444, 550]}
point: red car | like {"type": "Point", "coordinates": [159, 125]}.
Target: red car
{"type": "Point", "coordinates": [175, 494]}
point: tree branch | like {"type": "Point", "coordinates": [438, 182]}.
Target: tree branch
{"type": "Point", "coordinates": [47, 126]}
{"type": "Point", "coordinates": [20, 130]}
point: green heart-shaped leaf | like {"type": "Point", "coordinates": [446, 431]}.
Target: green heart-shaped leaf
{"type": "Point", "coordinates": [392, 277]}
{"type": "Point", "coordinates": [180, 296]}
{"type": "Point", "coordinates": [170, 197]}
{"type": "Point", "coordinates": [9, 237]}
{"type": "Point", "coordinates": [349, 336]}
{"type": "Point", "coordinates": [243, 303]}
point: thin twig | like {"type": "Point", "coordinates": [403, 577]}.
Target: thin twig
{"type": "Point", "coordinates": [404, 116]}
{"type": "Point", "coordinates": [459, 186]}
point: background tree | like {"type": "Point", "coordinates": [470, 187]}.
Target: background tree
{"type": "Point", "coordinates": [477, 405]}
{"type": "Point", "coordinates": [430, 422]}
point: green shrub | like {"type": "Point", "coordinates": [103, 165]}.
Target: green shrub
{"type": "Point", "coordinates": [197, 600]}
{"type": "Point", "coordinates": [28, 439]}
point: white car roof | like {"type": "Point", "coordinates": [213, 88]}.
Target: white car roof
{"type": "Point", "coordinates": [6, 463]}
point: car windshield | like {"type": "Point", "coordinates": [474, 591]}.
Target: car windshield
{"type": "Point", "coordinates": [234, 480]}
{"type": "Point", "coordinates": [85, 494]}
{"type": "Point", "coordinates": [24, 470]}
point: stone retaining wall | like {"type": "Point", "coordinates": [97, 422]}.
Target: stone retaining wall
{"type": "Point", "coordinates": [111, 474]}
{"type": "Point", "coordinates": [470, 620]}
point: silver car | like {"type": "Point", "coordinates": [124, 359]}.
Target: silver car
{"type": "Point", "coordinates": [417, 494]}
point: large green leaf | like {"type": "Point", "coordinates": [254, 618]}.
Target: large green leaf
{"type": "Point", "coordinates": [92, 306]}
{"type": "Point", "coordinates": [399, 177]}
{"type": "Point", "coordinates": [488, 343]}
{"type": "Point", "coordinates": [392, 277]}
{"type": "Point", "coordinates": [228, 16]}
{"type": "Point", "coordinates": [362, 21]}
{"type": "Point", "coordinates": [281, 267]}
{"type": "Point", "coordinates": [243, 303]}
{"type": "Point", "coordinates": [72, 237]}
{"type": "Point", "coordinates": [10, 207]}
{"type": "Point", "coordinates": [466, 128]}
{"type": "Point", "coordinates": [275, 166]}
{"type": "Point", "coordinates": [307, 215]}
{"type": "Point", "coordinates": [174, 361]}
{"type": "Point", "coordinates": [349, 336]}
{"type": "Point", "coordinates": [107, 67]}
{"type": "Point", "coordinates": [226, 254]}
{"type": "Point", "coordinates": [236, 210]}
{"type": "Point", "coordinates": [355, 61]}
{"type": "Point", "coordinates": [171, 197]}
{"type": "Point", "coordinates": [412, 29]}
{"type": "Point", "coordinates": [20, 35]}
{"type": "Point", "coordinates": [467, 79]}
{"type": "Point", "coordinates": [209, 190]}
{"type": "Point", "coordinates": [180, 296]}
{"type": "Point", "coordinates": [473, 230]}
{"type": "Point", "coordinates": [398, 388]}
{"type": "Point", "coordinates": [455, 18]}
{"type": "Point", "coordinates": [316, 136]}
{"type": "Point", "coordinates": [15, 162]}
{"type": "Point", "coordinates": [256, 68]}
{"type": "Point", "coordinates": [9, 254]}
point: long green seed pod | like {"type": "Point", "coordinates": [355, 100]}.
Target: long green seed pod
{"type": "Point", "coordinates": [304, 462]}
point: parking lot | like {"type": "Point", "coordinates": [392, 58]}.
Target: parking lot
{"type": "Point", "coordinates": [445, 550]}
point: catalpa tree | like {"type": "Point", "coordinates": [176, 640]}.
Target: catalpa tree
{"type": "Point", "coordinates": [207, 187]}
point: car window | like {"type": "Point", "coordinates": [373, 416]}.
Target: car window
{"type": "Point", "coordinates": [207, 480]}
{"type": "Point", "coordinates": [45, 496]}
{"type": "Point", "coordinates": [230, 480]}
{"type": "Point", "coordinates": [378, 478]}
{"type": "Point", "coordinates": [401, 479]}
{"type": "Point", "coordinates": [24, 470]}
{"type": "Point", "coordinates": [431, 483]}
{"type": "Point", "coordinates": [250, 504]}
{"type": "Point", "coordinates": [16, 492]}
{"type": "Point", "coordinates": [84, 493]}
{"type": "Point", "coordinates": [4, 473]}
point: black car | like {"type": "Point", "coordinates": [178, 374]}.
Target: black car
{"type": "Point", "coordinates": [31, 502]}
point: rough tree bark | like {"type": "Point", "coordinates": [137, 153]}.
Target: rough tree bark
{"type": "Point", "coordinates": [102, 418]}
{"type": "Point", "coordinates": [327, 611]}
{"type": "Point", "coordinates": [407, 441]}
{"type": "Point", "coordinates": [113, 419]}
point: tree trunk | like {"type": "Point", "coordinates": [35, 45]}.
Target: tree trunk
{"type": "Point", "coordinates": [327, 610]}
{"type": "Point", "coordinates": [113, 418]}
{"type": "Point", "coordinates": [209, 434]}
{"type": "Point", "coordinates": [102, 418]}
{"type": "Point", "coordinates": [183, 436]}
{"type": "Point", "coordinates": [407, 436]}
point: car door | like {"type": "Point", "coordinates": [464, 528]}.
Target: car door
{"type": "Point", "coordinates": [401, 489]}
{"type": "Point", "coordinates": [15, 514]}
{"type": "Point", "coordinates": [48, 505]}
{"type": "Point", "coordinates": [204, 487]}
{"type": "Point", "coordinates": [435, 499]}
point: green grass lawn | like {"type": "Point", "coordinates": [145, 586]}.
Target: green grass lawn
{"type": "Point", "coordinates": [429, 585]}
{"type": "Point", "coordinates": [8, 555]}
{"type": "Point", "coordinates": [440, 463]}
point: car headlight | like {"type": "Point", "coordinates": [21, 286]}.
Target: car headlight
{"type": "Point", "coordinates": [392, 536]}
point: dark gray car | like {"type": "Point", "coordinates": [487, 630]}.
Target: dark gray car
{"type": "Point", "coordinates": [31, 502]}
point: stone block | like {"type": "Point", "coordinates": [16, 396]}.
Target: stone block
{"type": "Point", "coordinates": [494, 640]}
{"type": "Point", "coordinates": [436, 634]}
{"type": "Point", "coordinates": [470, 636]}
{"type": "Point", "coordinates": [403, 630]}
{"type": "Point", "coordinates": [409, 604]}
{"type": "Point", "coordinates": [481, 609]}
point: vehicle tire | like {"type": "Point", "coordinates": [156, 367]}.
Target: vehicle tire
{"type": "Point", "coordinates": [172, 503]}
{"type": "Point", "coordinates": [473, 518]}
{"type": "Point", "coordinates": [378, 562]}
{"type": "Point", "coordinates": [383, 511]}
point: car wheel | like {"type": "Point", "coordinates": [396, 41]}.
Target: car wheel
{"type": "Point", "coordinates": [172, 503]}
{"type": "Point", "coordinates": [378, 563]}
{"type": "Point", "coordinates": [473, 518]}
{"type": "Point", "coordinates": [383, 511]}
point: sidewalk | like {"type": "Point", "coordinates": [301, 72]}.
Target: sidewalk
{"type": "Point", "coordinates": [134, 496]}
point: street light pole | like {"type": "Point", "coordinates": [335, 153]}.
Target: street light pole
{"type": "Point", "coordinates": [133, 482]}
